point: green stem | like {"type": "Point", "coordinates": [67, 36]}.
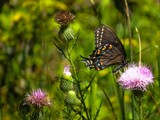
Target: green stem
{"type": "Point", "coordinates": [92, 98]}
{"type": "Point", "coordinates": [75, 76]}
{"type": "Point", "coordinates": [158, 59]}
{"type": "Point", "coordinates": [129, 28]}
{"type": "Point", "coordinates": [132, 96]}
{"type": "Point", "coordinates": [140, 109]}
{"type": "Point", "coordinates": [120, 100]}
{"type": "Point", "coordinates": [122, 105]}
{"type": "Point", "coordinates": [110, 104]}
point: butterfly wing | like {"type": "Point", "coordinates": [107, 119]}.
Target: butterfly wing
{"type": "Point", "coordinates": [105, 35]}
{"type": "Point", "coordinates": [109, 50]}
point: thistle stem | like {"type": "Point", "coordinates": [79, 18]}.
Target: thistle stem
{"type": "Point", "coordinates": [75, 75]}
{"type": "Point", "coordinates": [93, 97]}
{"type": "Point", "coordinates": [140, 109]}
{"type": "Point", "coordinates": [133, 118]}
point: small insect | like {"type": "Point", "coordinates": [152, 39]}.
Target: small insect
{"type": "Point", "coordinates": [108, 51]}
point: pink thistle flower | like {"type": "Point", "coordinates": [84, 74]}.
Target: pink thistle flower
{"type": "Point", "coordinates": [38, 98]}
{"type": "Point", "coordinates": [136, 78]}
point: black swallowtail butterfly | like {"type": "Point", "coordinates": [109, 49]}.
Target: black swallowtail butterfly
{"type": "Point", "coordinates": [109, 50]}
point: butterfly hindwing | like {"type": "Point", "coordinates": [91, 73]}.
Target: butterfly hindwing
{"type": "Point", "coordinates": [103, 57]}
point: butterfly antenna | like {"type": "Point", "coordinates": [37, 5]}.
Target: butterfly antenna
{"type": "Point", "coordinates": [84, 58]}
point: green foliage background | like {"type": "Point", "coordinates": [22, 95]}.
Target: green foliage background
{"type": "Point", "coordinates": [29, 60]}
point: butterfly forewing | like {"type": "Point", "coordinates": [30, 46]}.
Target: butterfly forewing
{"type": "Point", "coordinates": [105, 35]}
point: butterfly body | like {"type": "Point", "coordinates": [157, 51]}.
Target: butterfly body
{"type": "Point", "coordinates": [109, 50]}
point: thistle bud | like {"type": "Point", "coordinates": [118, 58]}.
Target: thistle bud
{"type": "Point", "coordinates": [66, 83]}
{"type": "Point", "coordinates": [71, 98]}
{"type": "Point", "coordinates": [64, 18]}
{"type": "Point", "coordinates": [66, 33]}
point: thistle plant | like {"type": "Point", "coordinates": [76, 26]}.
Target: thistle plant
{"type": "Point", "coordinates": [66, 39]}
{"type": "Point", "coordinates": [38, 98]}
{"type": "Point", "coordinates": [69, 82]}
{"type": "Point", "coordinates": [136, 78]}
{"type": "Point", "coordinates": [32, 107]}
